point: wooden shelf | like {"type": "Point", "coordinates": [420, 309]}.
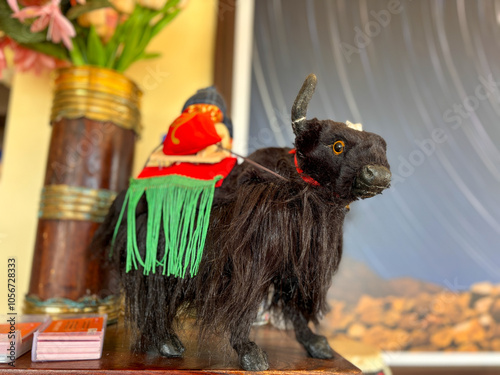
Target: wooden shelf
{"type": "Point", "coordinates": [445, 370]}
{"type": "Point", "coordinates": [286, 356]}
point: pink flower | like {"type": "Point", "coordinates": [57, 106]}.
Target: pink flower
{"type": "Point", "coordinates": [59, 27]}
{"type": "Point", "coordinates": [104, 20]}
{"type": "Point", "coordinates": [28, 3]}
{"type": "Point", "coordinates": [13, 5]}
{"type": "Point", "coordinates": [26, 59]}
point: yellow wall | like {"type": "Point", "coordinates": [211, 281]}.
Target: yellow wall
{"type": "Point", "coordinates": [187, 46]}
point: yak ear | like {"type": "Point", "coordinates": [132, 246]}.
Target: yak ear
{"type": "Point", "coordinates": [299, 108]}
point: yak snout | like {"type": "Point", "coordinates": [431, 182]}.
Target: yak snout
{"type": "Point", "coordinates": [371, 180]}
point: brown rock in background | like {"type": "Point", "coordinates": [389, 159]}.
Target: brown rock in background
{"type": "Point", "coordinates": [370, 318]}
{"type": "Point", "coordinates": [442, 338]}
{"type": "Point", "coordinates": [483, 305]}
{"type": "Point", "coordinates": [392, 339]}
{"type": "Point", "coordinates": [463, 300]}
{"type": "Point", "coordinates": [483, 288]}
{"type": "Point", "coordinates": [486, 320]}
{"type": "Point", "coordinates": [409, 305]}
{"type": "Point", "coordinates": [398, 304]}
{"type": "Point", "coordinates": [445, 303]}
{"type": "Point", "coordinates": [368, 304]}
{"type": "Point", "coordinates": [391, 318]}
{"type": "Point", "coordinates": [468, 347]}
{"type": "Point", "coordinates": [495, 310]}
{"type": "Point", "coordinates": [422, 348]}
{"type": "Point", "coordinates": [480, 290]}
{"type": "Point", "coordinates": [432, 322]}
{"type": "Point", "coordinates": [496, 291]}
{"type": "Point", "coordinates": [410, 321]}
{"type": "Point", "coordinates": [336, 311]}
{"type": "Point", "coordinates": [356, 330]}
{"type": "Point", "coordinates": [418, 337]}
{"type": "Point", "coordinates": [448, 308]}
{"type": "Point", "coordinates": [422, 318]}
{"type": "Point", "coordinates": [344, 322]}
{"type": "Point", "coordinates": [468, 332]}
{"type": "Point", "coordinates": [493, 332]}
{"type": "Point", "coordinates": [363, 281]}
{"type": "Point", "coordinates": [495, 344]}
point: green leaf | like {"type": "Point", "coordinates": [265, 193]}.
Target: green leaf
{"type": "Point", "coordinates": [149, 55]}
{"type": "Point", "coordinates": [95, 50]}
{"type": "Point", "coordinates": [164, 22]}
{"type": "Point", "coordinates": [110, 62]}
{"type": "Point", "coordinates": [83, 49]}
{"type": "Point", "coordinates": [145, 39]}
{"type": "Point", "coordinates": [76, 55]}
{"type": "Point", "coordinates": [170, 4]}
{"type": "Point", "coordinates": [77, 10]}
{"type": "Point", "coordinates": [132, 32]}
{"type": "Point", "coordinates": [113, 45]}
{"type": "Point", "coordinates": [135, 48]}
{"type": "Point", "coordinates": [54, 50]}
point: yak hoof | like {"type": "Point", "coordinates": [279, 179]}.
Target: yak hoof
{"type": "Point", "coordinates": [317, 346]}
{"type": "Point", "coordinates": [252, 358]}
{"type": "Point", "coordinates": [172, 347]}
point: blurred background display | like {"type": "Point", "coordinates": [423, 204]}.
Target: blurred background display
{"type": "Point", "coordinates": [421, 270]}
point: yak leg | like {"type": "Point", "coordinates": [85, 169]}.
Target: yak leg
{"type": "Point", "coordinates": [155, 304]}
{"type": "Point", "coordinates": [171, 347]}
{"type": "Point", "coordinates": [316, 345]}
{"type": "Point", "coordinates": [251, 357]}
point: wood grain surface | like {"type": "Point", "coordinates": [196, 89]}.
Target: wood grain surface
{"type": "Point", "coordinates": [445, 370]}
{"type": "Point", "coordinates": [285, 357]}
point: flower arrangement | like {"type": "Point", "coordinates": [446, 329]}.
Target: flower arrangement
{"type": "Point", "coordinates": [113, 34]}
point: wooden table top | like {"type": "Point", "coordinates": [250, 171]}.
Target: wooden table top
{"type": "Point", "coordinates": [445, 370]}
{"type": "Point", "coordinates": [286, 356]}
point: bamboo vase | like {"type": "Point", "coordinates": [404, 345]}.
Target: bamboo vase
{"type": "Point", "coordinates": [95, 122]}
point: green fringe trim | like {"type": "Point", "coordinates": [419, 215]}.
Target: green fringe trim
{"type": "Point", "coordinates": [182, 205]}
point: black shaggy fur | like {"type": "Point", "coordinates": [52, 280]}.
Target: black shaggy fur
{"type": "Point", "coordinates": [265, 233]}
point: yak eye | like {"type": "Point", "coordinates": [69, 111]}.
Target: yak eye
{"type": "Point", "coordinates": [338, 147]}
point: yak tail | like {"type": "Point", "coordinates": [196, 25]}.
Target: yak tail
{"type": "Point", "coordinates": [100, 245]}
{"type": "Point", "coordinates": [108, 273]}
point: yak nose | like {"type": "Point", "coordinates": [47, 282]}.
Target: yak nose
{"type": "Point", "coordinates": [371, 180]}
{"type": "Point", "coordinates": [375, 175]}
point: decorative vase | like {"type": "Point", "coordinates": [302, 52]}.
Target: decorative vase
{"type": "Point", "coordinates": [95, 122]}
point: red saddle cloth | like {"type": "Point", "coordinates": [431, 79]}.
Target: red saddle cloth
{"type": "Point", "coordinates": [198, 171]}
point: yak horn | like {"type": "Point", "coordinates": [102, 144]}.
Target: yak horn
{"type": "Point", "coordinates": [299, 109]}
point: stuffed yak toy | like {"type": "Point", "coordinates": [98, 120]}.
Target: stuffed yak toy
{"type": "Point", "coordinates": [197, 231]}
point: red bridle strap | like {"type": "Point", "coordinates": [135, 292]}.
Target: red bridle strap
{"type": "Point", "coordinates": [301, 173]}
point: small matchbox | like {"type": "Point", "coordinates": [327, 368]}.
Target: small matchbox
{"type": "Point", "coordinates": [16, 334]}
{"type": "Point", "coordinates": [75, 337]}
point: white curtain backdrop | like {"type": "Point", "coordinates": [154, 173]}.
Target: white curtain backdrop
{"type": "Point", "coordinates": [426, 76]}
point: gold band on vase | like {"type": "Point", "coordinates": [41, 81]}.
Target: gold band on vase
{"type": "Point", "coordinates": [98, 94]}
{"type": "Point", "coordinates": [111, 306]}
{"type": "Point", "coordinates": [64, 202]}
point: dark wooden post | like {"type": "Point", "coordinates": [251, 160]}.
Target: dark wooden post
{"type": "Point", "coordinates": [224, 49]}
